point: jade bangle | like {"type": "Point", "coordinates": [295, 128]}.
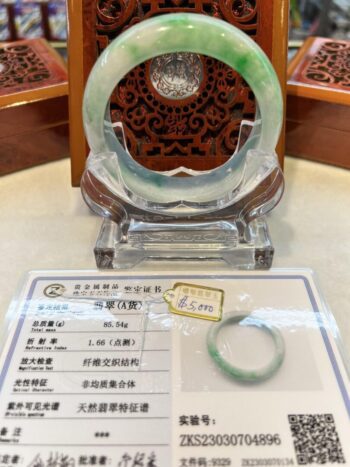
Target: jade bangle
{"type": "Point", "coordinates": [171, 33]}
{"type": "Point", "coordinates": [240, 374]}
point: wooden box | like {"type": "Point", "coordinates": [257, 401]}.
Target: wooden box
{"type": "Point", "coordinates": [318, 102]}
{"type": "Point", "coordinates": [93, 24]}
{"type": "Point", "coordinates": [34, 124]}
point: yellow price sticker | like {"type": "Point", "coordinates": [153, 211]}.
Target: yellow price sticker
{"type": "Point", "coordinates": [196, 301]}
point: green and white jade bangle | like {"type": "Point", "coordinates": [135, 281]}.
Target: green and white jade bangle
{"type": "Point", "coordinates": [170, 33]}
{"type": "Point", "coordinates": [240, 374]}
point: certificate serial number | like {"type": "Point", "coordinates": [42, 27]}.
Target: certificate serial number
{"type": "Point", "coordinates": [240, 439]}
{"type": "Point", "coordinates": [273, 461]}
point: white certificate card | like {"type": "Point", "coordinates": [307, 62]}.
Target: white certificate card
{"type": "Point", "coordinates": [115, 369]}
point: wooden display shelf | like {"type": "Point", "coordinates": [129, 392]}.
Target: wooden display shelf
{"type": "Point", "coordinates": [318, 102]}
{"type": "Point", "coordinates": [34, 124]}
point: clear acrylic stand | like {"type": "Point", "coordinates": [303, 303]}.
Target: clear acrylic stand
{"type": "Point", "coordinates": [233, 230]}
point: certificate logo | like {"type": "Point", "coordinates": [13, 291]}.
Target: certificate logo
{"type": "Point", "coordinates": [54, 290]}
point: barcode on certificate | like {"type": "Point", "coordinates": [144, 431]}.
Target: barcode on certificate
{"type": "Point", "coordinates": [316, 439]}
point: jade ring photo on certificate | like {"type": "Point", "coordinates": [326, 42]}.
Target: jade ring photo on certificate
{"type": "Point", "coordinates": [240, 374]}
{"type": "Point", "coordinates": [172, 33]}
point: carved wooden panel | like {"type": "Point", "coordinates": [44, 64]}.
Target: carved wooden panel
{"type": "Point", "coordinates": [33, 105]}
{"type": "Point", "coordinates": [326, 63]}
{"type": "Point", "coordinates": [318, 102]}
{"type": "Point", "coordinates": [195, 124]}
{"type": "Point", "coordinates": [29, 65]}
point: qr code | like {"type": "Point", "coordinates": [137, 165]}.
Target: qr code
{"type": "Point", "coordinates": [316, 440]}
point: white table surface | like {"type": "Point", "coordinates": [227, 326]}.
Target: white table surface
{"type": "Point", "coordinates": [46, 225]}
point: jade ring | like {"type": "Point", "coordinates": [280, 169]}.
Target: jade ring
{"type": "Point", "coordinates": [172, 33]}
{"type": "Point", "coordinates": [240, 374]}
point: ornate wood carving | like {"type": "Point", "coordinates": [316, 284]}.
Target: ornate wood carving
{"type": "Point", "coordinates": [198, 129]}
{"type": "Point", "coordinates": [33, 105]}
{"type": "Point", "coordinates": [28, 65]}
{"type": "Point", "coordinates": [318, 102]}
{"type": "Point", "coordinates": [327, 63]}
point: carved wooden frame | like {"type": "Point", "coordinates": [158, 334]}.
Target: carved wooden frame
{"type": "Point", "coordinates": [84, 47]}
{"type": "Point", "coordinates": [318, 102]}
{"type": "Point", "coordinates": [33, 105]}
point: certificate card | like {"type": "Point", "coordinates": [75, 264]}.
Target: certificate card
{"type": "Point", "coordinates": [172, 369]}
